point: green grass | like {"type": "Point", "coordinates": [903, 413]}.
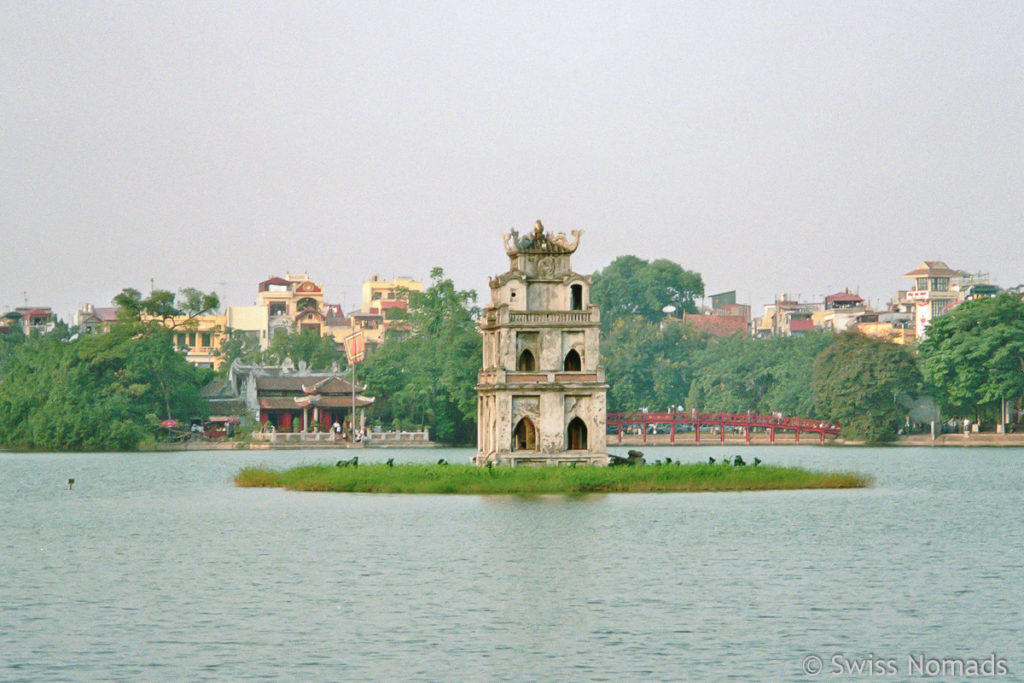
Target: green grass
{"type": "Point", "coordinates": [544, 480]}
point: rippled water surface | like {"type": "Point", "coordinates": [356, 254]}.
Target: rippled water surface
{"type": "Point", "coordinates": [155, 567]}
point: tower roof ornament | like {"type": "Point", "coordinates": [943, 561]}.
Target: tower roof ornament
{"type": "Point", "coordinates": [540, 242]}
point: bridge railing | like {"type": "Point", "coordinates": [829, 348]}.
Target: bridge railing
{"type": "Point", "coordinates": [731, 419]}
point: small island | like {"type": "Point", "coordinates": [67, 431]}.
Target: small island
{"type": "Point", "coordinates": [470, 479]}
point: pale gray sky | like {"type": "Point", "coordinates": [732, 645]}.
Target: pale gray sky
{"type": "Point", "coordinates": [772, 147]}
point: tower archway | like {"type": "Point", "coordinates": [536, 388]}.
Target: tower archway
{"type": "Point", "coordinates": [576, 434]}
{"type": "Point", "coordinates": [573, 362]}
{"type": "Point", "coordinates": [526, 362]}
{"type": "Point", "coordinates": [524, 437]}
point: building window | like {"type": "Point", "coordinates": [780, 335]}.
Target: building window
{"type": "Point", "coordinates": [940, 284]}
{"type": "Point", "coordinates": [937, 306]}
{"type": "Point", "coordinates": [524, 438]}
{"type": "Point", "coordinates": [192, 339]}
{"type": "Point", "coordinates": [206, 339]}
{"type": "Point", "coordinates": [180, 340]}
{"type": "Point", "coordinates": [573, 362]}
{"type": "Point", "coordinates": [577, 435]}
{"type": "Point", "coordinates": [278, 308]}
{"type": "Point", "coordinates": [577, 297]}
{"type": "Point", "coordinates": [922, 283]}
{"type": "Point", "coordinates": [526, 363]}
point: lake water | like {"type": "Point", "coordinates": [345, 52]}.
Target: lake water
{"type": "Point", "coordinates": [155, 567]}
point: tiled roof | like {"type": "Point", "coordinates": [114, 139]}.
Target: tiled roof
{"type": "Point", "coordinates": [843, 296]}
{"type": "Point", "coordinates": [299, 384]}
{"type": "Point", "coordinates": [933, 269]}
{"type": "Point", "coordinates": [801, 325]}
{"type": "Point", "coordinates": [718, 325]}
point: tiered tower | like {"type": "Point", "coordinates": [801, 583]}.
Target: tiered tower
{"type": "Point", "coordinates": [541, 391]}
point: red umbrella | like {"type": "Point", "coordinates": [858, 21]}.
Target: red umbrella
{"type": "Point", "coordinates": [169, 423]}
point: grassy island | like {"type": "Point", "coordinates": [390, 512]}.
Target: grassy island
{"type": "Point", "coordinates": [544, 480]}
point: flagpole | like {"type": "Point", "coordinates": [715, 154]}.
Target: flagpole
{"type": "Point", "coordinates": [353, 436]}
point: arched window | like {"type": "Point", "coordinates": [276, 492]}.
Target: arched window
{"type": "Point", "coordinates": [526, 362]}
{"type": "Point", "coordinates": [307, 303]}
{"type": "Point", "coordinates": [577, 297]}
{"type": "Point", "coordinates": [577, 434]}
{"type": "Point", "coordinates": [573, 362]}
{"type": "Point", "coordinates": [524, 438]}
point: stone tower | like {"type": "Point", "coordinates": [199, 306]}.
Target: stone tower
{"type": "Point", "coordinates": [541, 391]}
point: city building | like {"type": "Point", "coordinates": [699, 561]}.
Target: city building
{"type": "Point", "coordinates": [541, 390]}
{"type": "Point", "coordinates": [294, 399]}
{"type": "Point", "coordinates": [252, 321]}
{"type": "Point", "coordinates": [92, 320]}
{"type": "Point", "coordinates": [294, 303]}
{"type": "Point", "coordinates": [717, 324]}
{"type": "Point", "coordinates": [894, 326]}
{"type": "Point", "coordinates": [39, 319]}
{"type": "Point", "coordinates": [787, 317]}
{"type": "Point", "coordinates": [931, 294]}
{"type": "Point", "coordinates": [840, 312]}
{"type": "Point", "coordinates": [381, 295]}
{"type": "Point", "coordinates": [200, 338]}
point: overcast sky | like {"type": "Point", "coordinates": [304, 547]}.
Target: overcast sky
{"type": "Point", "coordinates": [772, 147]}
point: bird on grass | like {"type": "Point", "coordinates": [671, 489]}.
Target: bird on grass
{"type": "Point", "coordinates": [757, 461]}
{"type": "Point", "coordinates": [442, 461]}
{"type": "Point", "coordinates": [390, 462]}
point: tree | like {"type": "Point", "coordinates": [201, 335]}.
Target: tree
{"type": "Point", "coordinates": [648, 364]}
{"type": "Point", "coordinates": [163, 306]}
{"type": "Point", "coordinates": [973, 357]}
{"type": "Point", "coordinates": [318, 352]}
{"type": "Point", "coordinates": [99, 392]}
{"type": "Point", "coordinates": [425, 372]}
{"type": "Point", "coordinates": [105, 391]}
{"type": "Point", "coordinates": [631, 286]}
{"type": "Point", "coordinates": [241, 345]}
{"type": "Point", "coordinates": [865, 383]}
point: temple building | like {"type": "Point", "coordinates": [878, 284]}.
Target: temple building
{"type": "Point", "coordinates": [541, 390]}
{"type": "Point", "coordinates": [293, 399]}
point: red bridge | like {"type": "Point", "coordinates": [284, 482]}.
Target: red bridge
{"type": "Point", "coordinates": [649, 422]}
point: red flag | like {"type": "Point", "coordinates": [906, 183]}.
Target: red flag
{"type": "Point", "coordinates": [355, 347]}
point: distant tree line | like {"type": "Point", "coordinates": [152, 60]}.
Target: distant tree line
{"type": "Point", "coordinates": [970, 363]}
{"type": "Point", "coordinates": [110, 391]}
{"type": "Point", "coordinates": [104, 391]}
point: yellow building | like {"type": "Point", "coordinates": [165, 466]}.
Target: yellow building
{"type": "Point", "coordinates": [380, 295]}
{"type": "Point", "coordinates": [293, 302]}
{"type": "Point", "coordinates": [200, 338]}
{"type": "Point", "coordinates": [897, 333]}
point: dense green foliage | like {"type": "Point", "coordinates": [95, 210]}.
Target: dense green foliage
{"type": "Point", "coordinates": [630, 286]}
{"type": "Point", "coordinates": [105, 391]}
{"type": "Point", "coordinates": [739, 373]}
{"type": "Point", "coordinates": [865, 383]}
{"type": "Point", "coordinates": [973, 357]}
{"type": "Point", "coordinates": [99, 392]}
{"type": "Point", "coordinates": [544, 480]}
{"type": "Point", "coordinates": [648, 364]}
{"type": "Point", "coordinates": [425, 373]}
{"type": "Point", "coordinates": [319, 353]}
{"type": "Point", "coordinates": [165, 306]}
